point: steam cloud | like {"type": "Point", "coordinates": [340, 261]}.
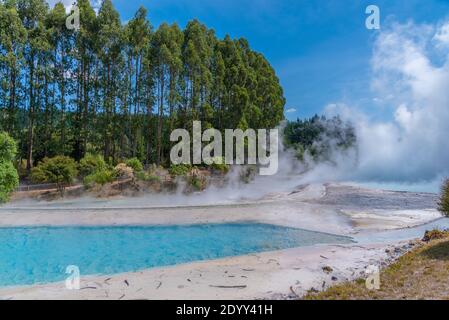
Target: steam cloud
{"type": "Point", "coordinates": [411, 75]}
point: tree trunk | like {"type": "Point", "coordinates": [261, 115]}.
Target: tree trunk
{"type": "Point", "coordinates": [62, 89]}
{"type": "Point", "coordinates": [159, 125]}
{"type": "Point", "coordinates": [46, 117]}
{"type": "Point", "coordinates": [12, 102]}
{"type": "Point", "coordinates": [86, 109]}
{"type": "Point", "coordinates": [31, 118]}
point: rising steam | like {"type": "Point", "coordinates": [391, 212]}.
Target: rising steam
{"type": "Point", "coordinates": [411, 78]}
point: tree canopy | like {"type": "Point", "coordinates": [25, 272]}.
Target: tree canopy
{"type": "Point", "coordinates": [119, 89]}
{"type": "Point", "coordinates": [60, 170]}
{"type": "Point", "coordinates": [319, 136]}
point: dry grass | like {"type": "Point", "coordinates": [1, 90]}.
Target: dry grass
{"type": "Point", "coordinates": [420, 274]}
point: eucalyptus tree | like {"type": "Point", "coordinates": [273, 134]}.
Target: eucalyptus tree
{"type": "Point", "coordinates": [137, 35]}
{"type": "Point", "coordinates": [167, 66]}
{"type": "Point", "coordinates": [61, 40]}
{"type": "Point", "coordinates": [197, 54]}
{"type": "Point", "coordinates": [12, 41]}
{"type": "Point", "coordinates": [233, 97]}
{"type": "Point", "coordinates": [175, 43]}
{"type": "Point", "coordinates": [110, 40]}
{"type": "Point", "coordinates": [217, 96]}
{"type": "Point", "coordinates": [32, 14]}
{"type": "Point", "coordinates": [85, 42]}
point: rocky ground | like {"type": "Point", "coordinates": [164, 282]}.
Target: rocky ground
{"type": "Point", "coordinates": [421, 273]}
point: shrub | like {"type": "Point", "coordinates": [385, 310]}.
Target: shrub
{"type": "Point", "coordinates": [60, 170]}
{"type": "Point", "coordinates": [144, 176]}
{"type": "Point", "coordinates": [123, 171]}
{"type": "Point", "coordinates": [91, 163]}
{"type": "Point", "coordinates": [197, 183]}
{"type": "Point", "coordinates": [220, 165]}
{"type": "Point", "coordinates": [8, 148]}
{"type": "Point", "coordinates": [180, 169]}
{"type": "Point", "coordinates": [135, 164]}
{"type": "Point", "coordinates": [443, 205]}
{"type": "Point", "coordinates": [100, 177]}
{"type": "Point", "coordinates": [9, 180]}
{"type": "Point", "coordinates": [435, 235]}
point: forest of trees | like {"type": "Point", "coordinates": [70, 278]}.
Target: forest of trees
{"type": "Point", "coordinates": [117, 89]}
{"type": "Point", "coordinates": [319, 137]}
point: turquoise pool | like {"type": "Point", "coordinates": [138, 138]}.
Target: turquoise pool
{"type": "Point", "coordinates": [41, 255]}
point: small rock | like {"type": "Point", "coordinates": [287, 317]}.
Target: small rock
{"type": "Point", "coordinates": [328, 269]}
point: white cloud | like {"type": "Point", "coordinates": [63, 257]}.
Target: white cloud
{"type": "Point", "coordinates": [442, 36]}
{"type": "Point", "coordinates": [290, 110]}
{"type": "Point", "coordinates": [414, 145]}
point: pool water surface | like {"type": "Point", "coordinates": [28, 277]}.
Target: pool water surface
{"type": "Point", "coordinates": [42, 254]}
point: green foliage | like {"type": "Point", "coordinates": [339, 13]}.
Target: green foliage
{"type": "Point", "coordinates": [443, 205]}
{"type": "Point", "coordinates": [220, 165]}
{"type": "Point", "coordinates": [223, 167]}
{"type": "Point", "coordinates": [101, 177]}
{"type": "Point", "coordinates": [147, 177]}
{"type": "Point", "coordinates": [8, 148]}
{"type": "Point", "coordinates": [60, 170]}
{"type": "Point", "coordinates": [9, 180]}
{"type": "Point", "coordinates": [197, 183]}
{"type": "Point", "coordinates": [319, 137]}
{"type": "Point", "coordinates": [91, 164]}
{"type": "Point", "coordinates": [135, 164]}
{"type": "Point", "coordinates": [180, 170]}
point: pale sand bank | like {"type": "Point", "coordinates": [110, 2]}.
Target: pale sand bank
{"type": "Point", "coordinates": [283, 274]}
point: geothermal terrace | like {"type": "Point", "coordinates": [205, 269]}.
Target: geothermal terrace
{"type": "Point", "coordinates": [382, 223]}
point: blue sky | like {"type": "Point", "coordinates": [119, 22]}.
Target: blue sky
{"type": "Point", "coordinates": [320, 49]}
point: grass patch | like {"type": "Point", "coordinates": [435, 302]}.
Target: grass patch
{"type": "Point", "coordinates": [422, 273]}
